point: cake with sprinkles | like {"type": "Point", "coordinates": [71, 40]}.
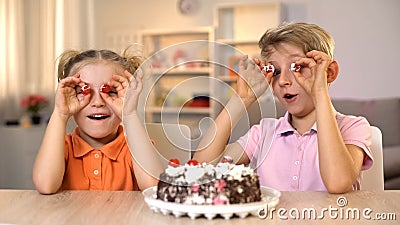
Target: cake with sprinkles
{"type": "Point", "coordinates": [204, 184]}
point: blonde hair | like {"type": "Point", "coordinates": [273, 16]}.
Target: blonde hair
{"type": "Point", "coordinates": [304, 35]}
{"type": "Point", "coordinates": [71, 61]}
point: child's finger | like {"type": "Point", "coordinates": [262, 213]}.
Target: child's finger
{"type": "Point", "coordinates": [124, 81]}
{"type": "Point", "coordinates": [139, 83]}
{"type": "Point", "coordinates": [251, 65]}
{"type": "Point", "coordinates": [84, 101]}
{"type": "Point", "coordinates": [139, 73]}
{"type": "Point", "coordinates": [268, 76]}
{"type": "Point", "coordinates": [76, 75]}
{"type": "Point", "coordinates": [243, 63]}
{"type": "Point", "coordinates": [318, 56]}
{"type": "Point", "coordinates": [116, 84]}
{"type": "Point", "coordinates": [133, 83]}
{"type": "Point", "coordinates": [259, 63]}
{"type": "Point", "coordinates": [128, 74]}
{"type": "Point", "coordinates": [306, 62]}
{"type": "Point", "coordinates": [313, 53]}
{"type": "Point", "coordinates": [71, 81]}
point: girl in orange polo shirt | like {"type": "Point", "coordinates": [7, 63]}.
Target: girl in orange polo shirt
{"type": "Point", "coordinates": [95, 156]}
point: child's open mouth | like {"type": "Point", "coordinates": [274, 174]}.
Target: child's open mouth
{"type": "Point", "coordinates": [98, 117]}
{"type": "Point", "coordinates": [289, 96]}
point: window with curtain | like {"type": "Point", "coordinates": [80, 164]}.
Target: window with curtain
{"type": "Point", "coordinates": [12, 60]}
{"type": "Point", "coordinates": [33, 33]}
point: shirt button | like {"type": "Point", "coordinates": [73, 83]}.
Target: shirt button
{"type": "Point", "coordinates": [96, 172]}
{"type": "Point", "coordinates": [297, 162]}
{"type": "Point", "coordinates": [96, 155]}
{"type": "Point", "coordinates": [294, 177]}
{"type": "Point", "coordinates": [299, 148]}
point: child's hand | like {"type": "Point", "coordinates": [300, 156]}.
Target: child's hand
{"type": "Point", "coordinates": [115, 98]}
{"type": "Point", "coordinates": [260, 64]}
{"type": "Point", "coordinates": [316, 81]}
{"type": "Point", "coordinates": [251, 83]}
{"type": "Point", "coordinates": [132, 94]}
{"type": "Point", "coordinates": [67, 101]}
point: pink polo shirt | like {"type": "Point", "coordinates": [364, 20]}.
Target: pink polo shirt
{"type": "Point", "coordinates": [288, 161]}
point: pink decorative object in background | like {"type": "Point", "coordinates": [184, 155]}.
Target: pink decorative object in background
{"type": "Point", "coordinates": [33, 104]}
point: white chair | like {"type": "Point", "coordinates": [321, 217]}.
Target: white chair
{"type": "Point", "coordinates": [171, 141]}
{"type": "Point", "coordinates": [372, 179]}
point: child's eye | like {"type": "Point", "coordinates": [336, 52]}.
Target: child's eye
{"type": "Point", "coordinates": [277, 72]}
{"type": "Point", "coordinates": [85, 89]}
{"type": "Point", "coordinates": [295, 67]}
{"type": "Point", "coordinates": [78, 89]}
{"type": "Point", "coordinates": [269, 68]}
{"type": "Point", "coordinates": [105, 88]}
{"type": "Point", "coordinates": [113, 92]}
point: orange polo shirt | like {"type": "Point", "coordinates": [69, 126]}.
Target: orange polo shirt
{"type": "Point", "coordinates": [107, 168]}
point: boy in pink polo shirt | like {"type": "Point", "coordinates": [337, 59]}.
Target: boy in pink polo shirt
{"type": "Point", "coordinates": [312, 147]}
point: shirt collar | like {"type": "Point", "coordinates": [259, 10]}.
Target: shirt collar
{"type": "Point", "coordinates": [285, 128]}
{"type": "Point", "coordinates": [111, 150]}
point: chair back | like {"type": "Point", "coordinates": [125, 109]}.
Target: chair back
{"type": "Point", "coordinates": [171, 141]}
{"type": "Point", "coordinates": [372, 179]}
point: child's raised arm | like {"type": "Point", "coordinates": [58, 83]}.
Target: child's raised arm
{"type": "Point", "coordinates": [146, 163]}
{"type": "Point", "coordinates": [49, 167]}
{"type": "Point", "coordinates": [251, 84]}
{"type": "Point", "coordinates": [340, 163]}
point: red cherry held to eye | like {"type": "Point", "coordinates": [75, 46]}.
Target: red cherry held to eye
{"type": "Point", "coordinates": [295, 67]}
{"type": "Point", "coordinates": [193, 162]}
{"type": "Point", "coordinates": [174, 162]}
{"type": "Point", "coordinates": [85, 89]}
{"type": "Point", "coordinates": [269, 68]}
{"type": "Point", "coordinates": [105, 88]}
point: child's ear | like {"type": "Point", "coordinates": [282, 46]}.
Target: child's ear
{"type": "Point", "coordinates": [332, 72]}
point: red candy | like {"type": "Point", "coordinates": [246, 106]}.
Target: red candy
{"type": "Point", "coordinates": [269, 68]}
{"type": "Point", "coordinates": [295, 67]}
{"type": "Point", "coordinates": [220, 200]}
{"type": "Point", "coordinates": [193, 162]}
{"type": "Point", "coordinates": [174, 162]}
{"type": "Point", "coordinates": [105, 88]}
{"type": "Point", "coordinates": [220, 185]}
{"type": "Point", "coordinates": [195, 187]}
{"type": "Point", "coordinates": [85, 89]}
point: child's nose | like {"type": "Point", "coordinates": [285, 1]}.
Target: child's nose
{"type": "Point", "coordinates": [286, 77]}
{"type": "Point", "coordinates": [97, 100]}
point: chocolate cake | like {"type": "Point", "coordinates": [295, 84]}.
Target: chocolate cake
{"type": "Point", "coordinates": [205, 184]}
